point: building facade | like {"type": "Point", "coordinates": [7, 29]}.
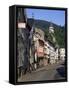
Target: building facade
{"type": "Point", "coordinates": [57, 54]}
{"type": "Point", "coordinates": [51, 28]}
{"type": "Point", "coordinates": [46, 53]}
{"type": "Point", "coordinates": [22, 41]}
{"type": "Point", "coordinates": [38, 39]}
{"type": "Point", "coordinates": [62, 54]}
{"type": "Point", "coordinates": [51, 53]}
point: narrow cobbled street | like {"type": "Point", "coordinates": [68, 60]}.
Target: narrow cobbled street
{"type": "Point", "coordinates": [50, 72]}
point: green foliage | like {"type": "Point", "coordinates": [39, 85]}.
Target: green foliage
{"type": "Point", "coordinates": [59, 32]}
{"type": "Point", "coordinates": [60, 36]}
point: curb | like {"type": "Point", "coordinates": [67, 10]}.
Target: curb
{"type": "Point", "coordinates": [47, 67]}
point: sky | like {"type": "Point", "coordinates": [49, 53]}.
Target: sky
{"type": "Point", "coordinates": [55, 16]}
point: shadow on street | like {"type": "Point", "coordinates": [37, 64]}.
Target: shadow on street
{"type": "Point", "coordinates": [61, 71]}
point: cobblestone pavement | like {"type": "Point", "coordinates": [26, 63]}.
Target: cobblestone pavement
{"type": "Point", "coordinates": [49, 72]}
